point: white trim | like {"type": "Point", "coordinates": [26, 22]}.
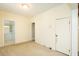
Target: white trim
{"type": "Point", "coordinates": [74, 32]}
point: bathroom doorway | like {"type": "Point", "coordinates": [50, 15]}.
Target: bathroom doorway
{"type": "Point", "coordinates": [9, 32]}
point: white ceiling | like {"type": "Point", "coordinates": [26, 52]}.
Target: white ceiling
{"type": "Point", "coordinates": [36, 8]}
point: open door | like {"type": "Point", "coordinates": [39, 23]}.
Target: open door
{"type": "Point", "coordinates": [63, 39]}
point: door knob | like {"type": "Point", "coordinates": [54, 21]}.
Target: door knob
{"type": "Point", "coordinates": [56, 35]}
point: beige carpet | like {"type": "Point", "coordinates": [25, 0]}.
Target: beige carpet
{"type": "Point", "coordinates": [28, 49]}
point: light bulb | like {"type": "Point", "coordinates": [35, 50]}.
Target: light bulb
{"type": "Point", "coordinates": [25, 6]}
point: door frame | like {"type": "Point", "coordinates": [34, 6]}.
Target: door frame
{"type": "Point", "coordinates": [4, 31]}
{"type": "Point", "coordinates": [74, 32]}
{"type": "Point", "coordinates": [34, 31]}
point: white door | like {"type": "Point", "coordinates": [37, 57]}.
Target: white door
{"type": "Point", "coordinates": [63, 40]}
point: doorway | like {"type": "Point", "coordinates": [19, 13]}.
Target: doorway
{"type": "Point", "coordinates": [33, 31]}
{"type": "Point", "coordinates": [63, 38]}
{"type": "Point", "coordinates": [9, 32]}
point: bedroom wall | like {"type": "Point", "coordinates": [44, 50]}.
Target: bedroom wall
{"type": "Point", "coordinates": [22, 26]}
{"type": "Point", "coordinates": [45, 24]}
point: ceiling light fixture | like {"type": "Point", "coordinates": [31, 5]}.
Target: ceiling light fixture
{"type": "Point", "coordinates": [25, 5]}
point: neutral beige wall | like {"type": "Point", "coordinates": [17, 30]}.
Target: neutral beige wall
{"type": "Point", "coordinates": [22, 26]}
{"type": "Point", "coordinates": [45, 24]}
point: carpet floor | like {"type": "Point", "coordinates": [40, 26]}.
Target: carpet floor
{"type": "Point", "coordinates": [28, 49]}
